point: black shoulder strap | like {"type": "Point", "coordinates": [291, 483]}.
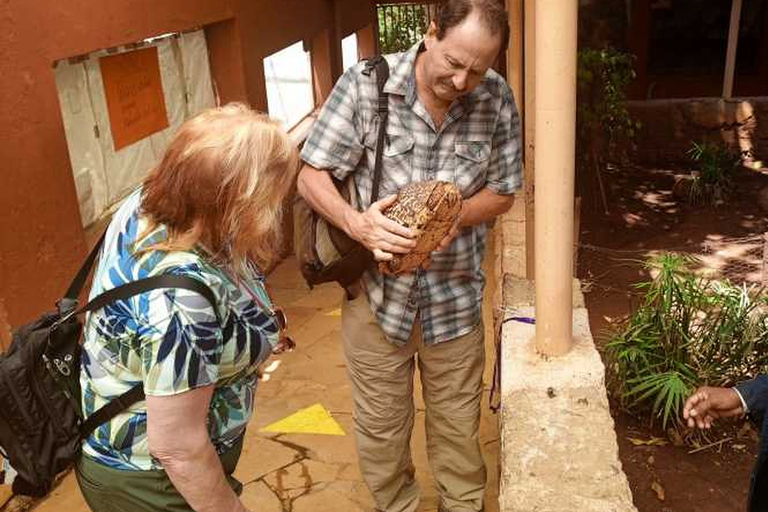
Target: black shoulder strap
{"type": "Point", "coordinates": [133, 288]}
{"type": "Point", "coordinates": [382, 75]}
{"type": "Point", "coordinates": [140, 286]}
{"type": "Point", "coordinates": [76, 286]}
{"type": "Point", "coordinates": [111, 409]}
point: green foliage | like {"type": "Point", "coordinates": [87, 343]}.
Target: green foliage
{"type": "Point", "coordinates": [401, 26]}
{"type": "Point", "coordinates": [603, 121]}
{"type": "Point", "coordinates": [712, 181]}
{"type": "Point", "coordinates": [688, 332]}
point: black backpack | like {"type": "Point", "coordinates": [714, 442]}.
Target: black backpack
{"type": "Point", "coordinates": [41, 423]}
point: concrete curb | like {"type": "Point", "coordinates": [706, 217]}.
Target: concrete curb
{"type": "Point", "coordinates": [558, 445]}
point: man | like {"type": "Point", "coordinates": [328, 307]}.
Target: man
{"type": "Point", "coordinates": [708, 404]}
{"type": "Point", "coordinates": [451, 118]}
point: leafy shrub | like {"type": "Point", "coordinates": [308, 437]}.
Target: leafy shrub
{"type": "Point", "coordinates": [401, 26]}
{"type": "Point", "coordinates": [712, 180]}
{"type": "Point", "coordinates": [603, 126]}
{"type": "Point", "coordinates": [603, 79]}
{"type": "Point", "coordinates": [689, 331]}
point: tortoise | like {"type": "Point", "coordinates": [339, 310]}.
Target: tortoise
{"type": "Point", "coordinates": [429, 208]}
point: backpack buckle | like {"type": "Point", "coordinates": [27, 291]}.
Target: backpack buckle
{"type": "Point", "coordinates": [62, 366]}
{"type": "Point", "coordinates": [64, 318]}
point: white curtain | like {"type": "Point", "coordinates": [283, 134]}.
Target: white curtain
{"type": "Point", "coordinates": [102, 175]}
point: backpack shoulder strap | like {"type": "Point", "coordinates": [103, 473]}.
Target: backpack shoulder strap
{"type": "Point", "coordinates": [76, 286]}
{"type": "Point", "coordinates": [136, 393]}
{"type": "Point", "coordinates": [140, 286]}
{"type": "Point", "coordinates": [381, 66]}
{"type": "Point", "coordinates": [111, 409]}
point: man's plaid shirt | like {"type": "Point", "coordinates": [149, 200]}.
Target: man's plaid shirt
{"type": "Point", "coordinates": [477, 146]}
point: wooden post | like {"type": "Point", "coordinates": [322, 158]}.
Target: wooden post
{"type": "Point", "coordinates": [5, 329]}
{"type": "Point", "coordinates": [639, 41]}
{"type": "Point", "coordinates": [576, 234]}
{"type": "Point", "coordinates": [515, 71]}
{"type": "Point", "coordinates": [555, 69]}
{"type": "Point", "coordinates": [730, 55]}
{"type": "Point", "coordinates": [323, 78]}
{"type": "Point", "coordinates": [529, 130]}
{"type": "Point", "coordinates": [765, 261]}
{"type": "Point", "coordinates": [366, 41]}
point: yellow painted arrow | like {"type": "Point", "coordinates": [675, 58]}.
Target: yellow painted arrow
{"type": "Point", "coordinates": [313, 420]}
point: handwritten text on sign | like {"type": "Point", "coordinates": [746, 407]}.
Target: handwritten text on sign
{"type": "Point", "coordinates": [134, 93]}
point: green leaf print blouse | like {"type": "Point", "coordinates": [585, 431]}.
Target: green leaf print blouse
{"type": "Point", "coordinates": [170, 341]}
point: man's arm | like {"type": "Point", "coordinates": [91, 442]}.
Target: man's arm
{"type": "Point", "coordinates": [380, 235]}
{"type": "Point", "coordinates": [482, 207]}
{"type": "Point", "coordinates": [755, 394]}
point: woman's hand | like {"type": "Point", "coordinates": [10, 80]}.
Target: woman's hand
{"type": "Point", "coordinates": [178, 437]}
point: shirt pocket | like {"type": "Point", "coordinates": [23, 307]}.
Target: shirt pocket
{"type": "Point", "coordinates": [471, 167]}
{"type": "Point", "coordinates": [396, 161]}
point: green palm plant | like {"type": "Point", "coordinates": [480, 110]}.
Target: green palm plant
{"type": "Point", "coordinates": [689, 331]}
{"type": "Point", "coordinates": [712, 181]}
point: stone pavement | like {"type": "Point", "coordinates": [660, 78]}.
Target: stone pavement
{"type": "Point", "coordinates": [311, 472]}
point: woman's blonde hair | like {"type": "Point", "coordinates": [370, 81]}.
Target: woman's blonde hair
{"type": "Point", "coordinates": [222, 183]}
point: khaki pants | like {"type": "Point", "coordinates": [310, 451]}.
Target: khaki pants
{"type": "Point", "coordinates": [381, 374]}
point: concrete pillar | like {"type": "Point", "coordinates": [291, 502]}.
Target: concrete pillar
{"type": "Point", "coordinates": [555, 69]}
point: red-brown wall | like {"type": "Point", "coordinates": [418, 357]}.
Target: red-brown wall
{"type": "Point", "coordinates": [41, 238]}
{"type": "Point", "coordinates": [226, 60]}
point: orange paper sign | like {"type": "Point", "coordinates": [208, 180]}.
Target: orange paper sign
{"type": "Point", "coordinates": [134, 93]}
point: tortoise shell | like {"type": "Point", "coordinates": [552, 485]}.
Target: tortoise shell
{"type": "Point", "coordinates": [430, 209]}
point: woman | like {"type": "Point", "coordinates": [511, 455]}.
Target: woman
{"type": "Point", "coordinates": [211, 210]}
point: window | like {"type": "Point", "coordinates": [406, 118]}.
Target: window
{"type": "Point", "coordinates": [349, 55]}
{"type": "Point", "coordinates": [288, 75]}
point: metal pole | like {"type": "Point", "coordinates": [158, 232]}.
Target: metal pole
{"type": "Point", "coordinates": [555, 69]}
{"type": "Point", "coordinates": [730, 54]}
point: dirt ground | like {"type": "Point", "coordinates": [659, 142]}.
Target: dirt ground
{"type": "Point", "coordinates": [643, 216]}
